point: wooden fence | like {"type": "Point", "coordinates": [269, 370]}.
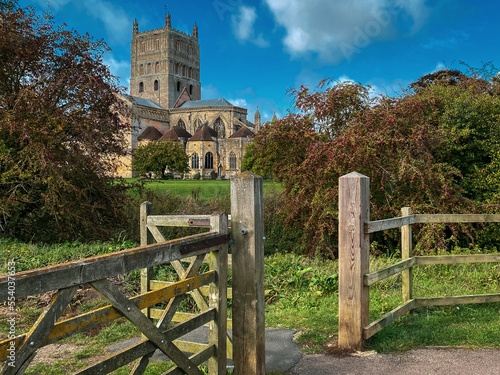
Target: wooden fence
{"type": "Point", "coordinates": [248, 290]}
{"type": "Point", "coordinates": [355, 277]}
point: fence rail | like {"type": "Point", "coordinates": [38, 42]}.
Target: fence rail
{"type": "Point", "coordinates": [68, 277]}
{"type": "Point", "coordinates": [355, 278]}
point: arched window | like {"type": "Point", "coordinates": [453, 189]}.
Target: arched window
{"type": "Point", "coordinates": [180, 124]}
{"type": "Point", "coordinates": [209, 160]}
{"type": "Point", "coordinates": [232, 160]}
{"type": "Point", "coordinates": [141, 70]}
{"type": "Point", "coordinates": [157, 43]}
{"type": "Point", "coordinates": [220, 128]}
{"type": "Point", "coordinates": [141, 86]}
{"type": "Point", "coordinates": [195, 161]}
{"type": "Point", "coordinates": [197, 125]}
{"type": "Point", "coordinates": [143, 47]}
{"type": "Point", "coordinates": [190, 89]}
{"type": "Point", "coordinates": [149, 69]}
{"type": "Point", "coordinates": [156, 86]}
{"type": "Point", "coordinates": [178, 86]}
{"type": "Point", "coordinates": [157, 67]}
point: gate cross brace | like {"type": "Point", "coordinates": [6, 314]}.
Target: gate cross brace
{"type": "Point", "coordinates": [34, 338]}
{"type": "Point", "coordinates": [169, 313]}
{"type": "Point", "coordinates": [132, 312]}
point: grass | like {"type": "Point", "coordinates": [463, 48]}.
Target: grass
{"type": "Point", "coordinates": [202, 189]}
{"type": "Point", "coordinates": [301, 294]}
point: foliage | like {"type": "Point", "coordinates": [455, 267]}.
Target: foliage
{"type": "Point", "coordinates": [396, 142]}
{"type": "Point", "coordinates": [158, 156]}
{"type": "Point", "coordinates": [61, 131]}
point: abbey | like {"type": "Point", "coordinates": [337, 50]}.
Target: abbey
{"type": "Point", "coordinates": [165, 96]}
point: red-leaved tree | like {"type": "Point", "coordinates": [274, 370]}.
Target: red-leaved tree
{"type": "Point", "coordinates": [61, 130]}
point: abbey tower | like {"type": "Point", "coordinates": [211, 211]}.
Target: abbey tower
{"type": "Point", "coordinates": [165, 64]}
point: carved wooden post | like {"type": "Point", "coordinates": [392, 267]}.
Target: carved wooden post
{"type": "Point", "coordinates": [248, 275]}
{"type": "Point", "coordinates": [406, 252]}
{"type": "Point", "coordinates": [218, 299]}
{"type": "Point", "coordinates": [354, 249]}
{"type": "Point", "coordinates": [147, 274]}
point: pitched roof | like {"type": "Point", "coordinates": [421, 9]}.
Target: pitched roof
{"type": "Point", "coordinates": [150, 133]}
{"type": "Point", "coordinates": [243, 132]}
{"type": "Point", "coordinates": [145, 102]}
{"type": "Point", "coordinates": [203, 134]}
{"type": "Point", "coordinates": [174, 133]}
{"type": "Point", "coordinates": [221, 102]}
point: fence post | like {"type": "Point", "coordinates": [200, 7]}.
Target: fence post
{"type": "Point", "coordinates": [146, 239]}
{"type": "Point", "coordinates": [247, 226]}
{"type": "Point", "coordinates": [218, 299]}
{"type": "Point", "coordinates": [406, 252]}
{"type": "Point", "coordinates": [354, 249]}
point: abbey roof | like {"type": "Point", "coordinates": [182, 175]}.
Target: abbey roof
{"type": "Point", "coordinates": [221, 102]}
{"type": "Point", "coordinates": [204, 134]}
{"type": "Point", "coordinates": [174, 133]}
{"type": "Point", "coordinates": [150, 134]}
{"type": "Point", "coordinates": [243, 132]}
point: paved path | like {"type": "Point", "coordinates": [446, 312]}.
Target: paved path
{"type": "Point", "coordinates": [283, 355]}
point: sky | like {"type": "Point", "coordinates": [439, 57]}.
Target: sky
{"type": "Point", "coordinates": [254, 51]}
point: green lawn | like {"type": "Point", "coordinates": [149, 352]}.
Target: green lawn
{"type": "Point", "coordinates": [207, 188]}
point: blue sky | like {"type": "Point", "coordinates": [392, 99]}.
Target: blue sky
{"type": "Point", "coordinates": [252, 51]}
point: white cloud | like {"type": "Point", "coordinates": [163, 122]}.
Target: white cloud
{"type": "Point", "coordinates": [119, 68]}
{"type": "Point", "coordinates": [239, 102]}
{"type": "Point", "coordinates": [243, 26]}
{"type": "Point", "coordinates": [209, 91]}
{"type": "Point", "coordinates": [337, 30]}
{"type": "Point", "coordinates": [114, 19]}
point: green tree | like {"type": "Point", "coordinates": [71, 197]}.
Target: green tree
{"type": "Point", "coordinates": [158, 156]}
{"type": "Point", "coordinates": [61, 132]}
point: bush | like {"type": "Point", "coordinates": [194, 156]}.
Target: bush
{"type": "Point", "coordinates": [197, 176]}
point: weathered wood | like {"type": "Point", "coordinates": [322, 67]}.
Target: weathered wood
{"type": "Point", "coordinates": [205, 290]}
{"type": "Point", "coordinates": [130, 310]}
{"type": "Point", "coordinates": [388, 318]}
{"type": "Point", "coordinates": [458, 300]}
{"type": "Point", "coordinates": [178, 317]}
{"type": "Point", "coordinates": [218, 300]}
{"type": "Point", "coordinates": [197, 359]}
{"type": "Point", "coordinates": [182, 221]}
{"type": "Point", "coordinates": [147, 274]}
{"type": "Point", "coordinates": [354, 246]}
{"type": "Point", "coordinates": [177, 220]}
{"type": "Point", "coordinates": [169, 312]}
{"type": "Point", "coordinates": [457, 218]}
{"type": "Point", "coordinates": [107, 314]}
{"type": "Point", "coordinates": [86, 270]}
{"type": "Point", "coordinates": [375, 276]}
{"type": "Point", "coordinates": [457, 259]}
{"type": "Point", "coordinates": [395, 222]}
{"type": "Point", "coordinates": [145, 347]}
{"type": "Point", "coordinates": [407, 253]}
{"type": "Point", "coordinates": [36, 335]}
{"type": "Point", "coordinates": [248, 274]}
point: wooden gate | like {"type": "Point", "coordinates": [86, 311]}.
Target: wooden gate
{"type": "Point", "coordinates": [67, 278]}
{"type": "Point", "coordinates": [248, 299]}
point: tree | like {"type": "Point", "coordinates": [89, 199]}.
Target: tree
{"type": "Point", "coordinates": [158, 156]}
{"type": "Point", "coordinates": [61, 132]}
{"type": "Point", "coordinates": [397, 142]}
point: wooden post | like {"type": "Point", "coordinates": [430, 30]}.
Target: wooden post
{"type": "Point", "coordinates": [218, 300]}
{"type": "Point", "coordinates": [354, 249]}
{"type": "Point", "coordinates": [248, 274]}
{"type": "Point", "coordinates": [147, 274]}
{"type": "Point", "coordinates": [406, 252]}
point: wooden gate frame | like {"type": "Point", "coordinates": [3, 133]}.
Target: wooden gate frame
{"type": "Point", "coordinates": [355, 278]}
{"type": "Point", "coordinates": [67, 277]}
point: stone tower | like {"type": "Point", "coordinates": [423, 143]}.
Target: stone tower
{"type": "Point", "coordinates": [165, 64]}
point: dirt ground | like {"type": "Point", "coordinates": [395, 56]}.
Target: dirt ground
{"type": "Point", "coordinates": [430, 361]}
